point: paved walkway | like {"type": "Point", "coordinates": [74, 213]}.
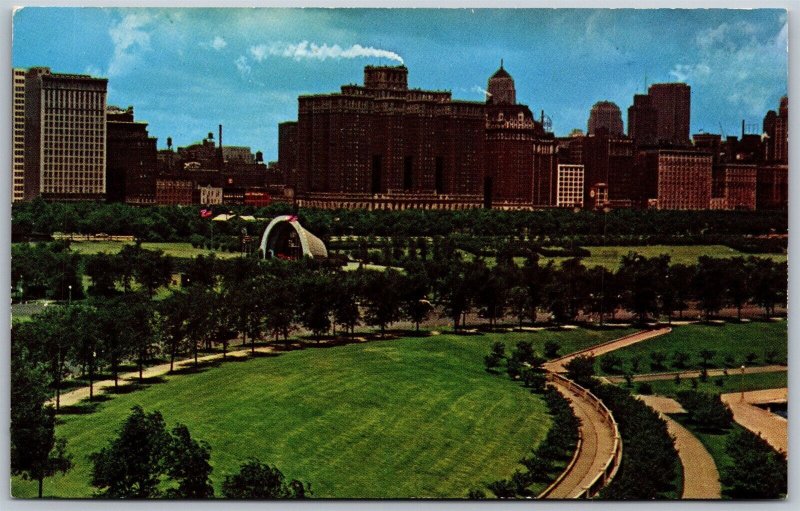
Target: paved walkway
{"type": "Point", "coordinates": [695, 373]}
{"type": "Point", "coordinates": [74, 396]}
{"type": "Point", "coordinates": [700, 474]}
{"type": "Point", "coordinates": [596, 448]}
{"type": "Point", "coordinates": [772, 428]}
{"type": "Point", "coordinates": [558, 365]}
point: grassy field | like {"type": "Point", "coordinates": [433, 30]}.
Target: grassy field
{"type": "Point", "coordinates": [731, 339]}
{"type": "Point", "coordinates": [413, 417]}
{"type": "Point", "coordinates": [732, 383]}
{"type": "Point", "coordinates": [610, 256]}
{"type": "Point", "coordinates": [185, 250]}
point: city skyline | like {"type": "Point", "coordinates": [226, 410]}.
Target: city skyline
{"type": "Point", "coordinates": [248, 78]}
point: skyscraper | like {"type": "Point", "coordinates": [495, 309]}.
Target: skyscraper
{"type": "Point", "coordinates": [777, 133]}
{"type": "Point", "coordinates": [131, 162]}
{"type": "Point", "coordinates": [605, 114]}
{"type": "Point", "coordinates": [643, 121]}
{"type": "Point", "coordinates": [65, 135]}
{"type": "Point", "coordinates": [18, 138]}
{"type": "Point", "coordinates": [672, 102]}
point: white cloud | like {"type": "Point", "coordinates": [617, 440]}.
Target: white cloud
{"type": "Point", "coordinates": [740, 61]}
{"type": "Point", "coordinates": [305, 50]}
{"type": "Point", "coordinates": [218, 43]}
{"type": "Point", "coordinates": [128, 38]}
{"type": "Point", "coordinates": [243, 65]}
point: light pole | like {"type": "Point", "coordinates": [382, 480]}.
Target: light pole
{"type": "Point", "coordinates": [70, 295]}
{"type": "Point", "coordinates": [741, 387]}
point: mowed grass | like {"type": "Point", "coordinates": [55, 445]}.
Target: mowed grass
{"type": "Point", "coordinates": [734, 382]}
{"type": "Point", "coordinates": [734, 339]}
{"type": "Point", "coordinates": [184, 250]}
{"type": "Point", "coordinates": [413, 417]}
{"type": "Point", "coordinates": [610, 256]}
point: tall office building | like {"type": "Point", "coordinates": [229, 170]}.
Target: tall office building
{"type": "Point", "coordinates": [605, 114]}
{"type": "Point", "coordinates": [570, 185]}
{"type": "Point", "coordinates": [677, 179]}
{"type": "Point", "coordinates": [672, 102]}
{"type": "Point", "coordinates": [18, 136]}
{"type": "Point", "coordinates": [643, 121]}
{"type": "Point", "coordinates": [131, 162]}
{"type": "Point", "coordinates": [65, 135]}
{"type": "Point", "coordinates": [776, 129]}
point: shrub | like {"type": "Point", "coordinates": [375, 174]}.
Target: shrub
{"type": "Point", "coordinates": [644, 388]}
{"type": "Point", "coordinates": [706, 410]}
{"type": "Point", "coordinates": [581, 370]}
{"type": "Point", "coordinates": [611, 363]}
{"type": "Point", "coordinates": [551, 349]}
{"type": "Point", "coordinates": [757, 470]}
{"type": "Point", "coordinates": [657, 360]}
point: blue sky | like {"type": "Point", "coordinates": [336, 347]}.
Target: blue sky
{"type": "Point", "coordinates": [187, 70]}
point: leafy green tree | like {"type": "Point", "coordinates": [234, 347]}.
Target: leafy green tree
{"type": "Point", "coordinates": [707, 411]}
{"type": "Point", "coordinates": [644, 279]}
{"type": "Point", "coordinates": [679, 359]}
{"type": "Point", "coordinates": [706, 356]}
{"type": "Point", "coordinates": [551, 349]}
{"type": "Point", "coordinates": [104, 271]}
{"type": "Point", "coordinates": [36, 453]}
{"type": "Point", "coordinates": [316, 303]}
{"type": "Point", "coordinates": [519, 302]}
{"type": "Point", "coordinates": [756, 471]}
{"type": "Point", "coordinates": [345, 301]}
{"type": "Point", "coordinates": [132, 464]}
{"type": "Point", "coordinates": [497, 355]}
{"type": "Point", "coordinates": [736, 283]}
{"type": "Point", "coordinates": [187, 463]}
{"type": "Point", "coordinates": [611, 363]}
{"type": "Point", "coordinates": [581, 370]}
{"type": "Point", "coordinates": [257, 480]}
{"type": "Point", "coordinates": [153, 270]}
{"type": "Point", "coordinates": [383, 297]}
{"type": "Point", "coordinates": [172, 319]}
{"type": "Point", "coordinates": [708, 278]}
{"type": "Point", "coordinates": [657, 359]}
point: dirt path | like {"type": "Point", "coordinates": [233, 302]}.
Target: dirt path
{"type": "Point", "coordinates": [596, 448]}
{"type": "Point", "coordinates": [557, 365]}
{"type": "Point", "coordinates": [696, 373]}
{"type": "Point", "coordinates": [700, 474]}
{"type": "Point", "coordinates": [772, 428]}
{"type": "Point", "coordinates": [74, 396]}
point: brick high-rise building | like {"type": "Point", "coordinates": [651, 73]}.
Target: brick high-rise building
{"type": "Point", "coordinates": [672, 102]}
{"type": "Point", "coordinates": [643, 121]}
{"type": "Point", "coordinates": [608, 160]}
{"type": "Point", "coordinates": [772, 186]}
{"type": "Point", "coordinates": [735, 184]}
{"type": "Point", "coordinates": [677, 179]}
{"type": "Point", "coordinates": [776, 129]}
{"type": "Point", "coordinates": [65, 135]}
{"type": "Point", "coordinates": [384, 145]}
{"type": "Point", "coordinates": [605, 115]}
{"type": "Point", "coordinates": [131, 158]}
{"type": "Point", "coordinates": [18, 136]}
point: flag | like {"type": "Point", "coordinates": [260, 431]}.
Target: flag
{"type": "Point", "coordinates": [292, 218]}
{"type": "Point", "coordinates": [205, 213]}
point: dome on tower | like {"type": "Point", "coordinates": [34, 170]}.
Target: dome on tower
{"type": "Point", "coordinates": [501, 90]}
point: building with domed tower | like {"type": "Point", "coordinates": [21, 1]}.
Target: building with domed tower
{"type": "Point", "coordinates": [383, 145]}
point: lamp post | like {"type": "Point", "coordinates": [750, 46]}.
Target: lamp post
{"type": "Point", "coordinates": [69, 302]}
{"type": "Point", "coordinates": [741, 387]}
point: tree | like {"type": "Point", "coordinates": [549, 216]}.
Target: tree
{"type": "Point", "coordinates": [416, 305]}
{"type": "Point", "coordinates": [345, 301]}
{"type": "Point", "coordinates": [551, 349]}
{"type": "Point", "coordinates": [132, 464]}
{"type": "Point", "coordinates": [188, 465]}
{"type": "Point", "coordinates": [581, 370]}
{"type": "Point", "coordinates": [173, 314]}
{"type": "Point", "coordinates": [657, 360]}
{"type": "Point", "coordinates": [316, 303]}
{"type": "Point", "coordinates": [257, 480]}
{"type": "Point", "coordinates": [383, 297]}
{"type": "Point", "coordinates": [645, 280]}
{"type": "Point", "coordinates": [36, 453]}
{"type": "Point", "coordinates": [611, 363]}
{"type": "Point", "coordinates": [736, 283]}
{"type": "Point", "coordinates": [153, 270]}
{"type": "Point", "coordinates": [708, 278]}
{"type": "Point", "coordinates": [104, 271]}
{"type": "Point", "coordinates": [706, 355]}
{"type": "Point", "coordinates": [491, 292]}
{"type": "Point", "coordinates": [756, 470]}
{"type": "Point", "coordinates": [519, 301]}
{"type": "Point", "coordinates": [497, 355]}
{"type": "Point", "coordinates": [679, 359]}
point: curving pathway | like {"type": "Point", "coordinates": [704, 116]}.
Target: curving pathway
{"type": "Point", "coordinates": [772, 428]}
{"type": "Point", "coordinates": [596, 448]}
{"type": "Point", "coordinates": [700, 474]}
{"type": "Point", "coordinates": [558, 365]}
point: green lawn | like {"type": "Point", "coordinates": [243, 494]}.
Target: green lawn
{"type": "Point", "coordinates": [732, 383]}
{"type": "Point", "coordinates": [185, 250]}
{"type": "Point", "coordinates": [731, 339]}
{"type": "Point", "coordinates": [413, 417]}
{"type": "Point", "coordinates": [610, 256]}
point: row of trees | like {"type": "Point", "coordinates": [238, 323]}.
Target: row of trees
{"type": "Point", "coordinates": [179, 223]}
